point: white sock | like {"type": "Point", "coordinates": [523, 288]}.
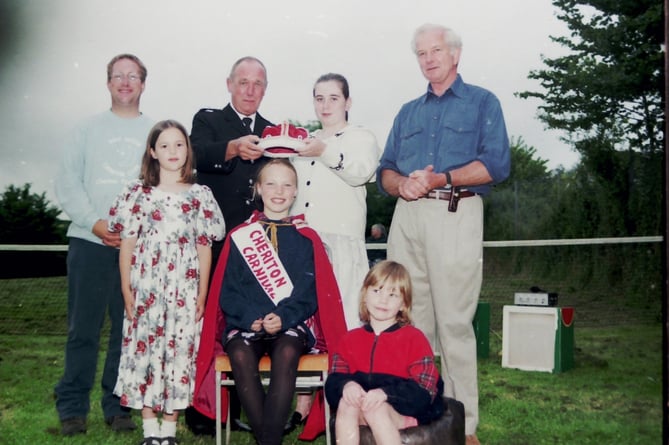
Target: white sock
{"type": "Point", "coordinates": [168, 429]}
{"type": "Point", "coordinates": [151, 427]}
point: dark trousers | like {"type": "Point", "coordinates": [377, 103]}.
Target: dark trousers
{"type": "Point", "coordinates": [94, 289]}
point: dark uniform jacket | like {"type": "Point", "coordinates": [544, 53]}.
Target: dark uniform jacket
{"type": "Point", "coordinates": [232, 181]}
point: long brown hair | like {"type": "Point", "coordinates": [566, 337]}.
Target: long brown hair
{"type": "Point", "coordinates": [150, 173]}
{"type": "Point", "coordinates": [335, 77]}
{"type": "Point", "coordinates": [388, 273]}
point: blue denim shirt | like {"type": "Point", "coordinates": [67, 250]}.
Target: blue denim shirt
{"type": "Point", "coordinates": [448, 131]}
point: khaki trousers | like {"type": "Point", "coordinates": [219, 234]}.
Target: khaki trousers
{"type": "Point", "coordinates": [443, 252]}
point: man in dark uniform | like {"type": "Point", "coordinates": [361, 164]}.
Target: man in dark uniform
{"type": "Point", "coordinates": [226, 150]}
{"type": "Point", "coordinates": [227, 158]}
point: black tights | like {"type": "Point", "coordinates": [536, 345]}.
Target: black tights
{"type": "Point", "coordinates": [267, 413]}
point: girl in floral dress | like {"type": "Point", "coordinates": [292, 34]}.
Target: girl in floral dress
{"type": "Point", "coordinates": [167, 225]}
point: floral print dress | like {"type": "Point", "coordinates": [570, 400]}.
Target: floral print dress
{"type": "Point", "coordinates": [157, 366]}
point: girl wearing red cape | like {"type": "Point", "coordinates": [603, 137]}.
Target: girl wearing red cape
{"type": "Point", "coordinates": [251, 321]}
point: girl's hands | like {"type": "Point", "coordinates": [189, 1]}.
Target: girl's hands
{"type": "Point", "coordinates": [373, 399]}
{"type": "Point", "coordinates": [313, 148]}
{"type": "Point", "coordinates": [353, 394]}
{"type": "Point", "coordinates": [129, 300]}
{"type": "Point", "coordinates": [271, 323]}
{"type": "Point", "coordinates": [199, 308]}
{"type": "Point", "coordinates": [257, 325]}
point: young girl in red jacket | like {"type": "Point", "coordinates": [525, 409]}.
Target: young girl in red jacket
{"type": "Point", "coordinates": [383, 373]}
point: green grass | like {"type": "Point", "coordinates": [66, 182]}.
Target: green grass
{"type": "Point", "coordinates": [33, 306]}
{"type": "Point", "coordinates": [30, 367]}
{"type": "Point", "coordinates": [612, 396]}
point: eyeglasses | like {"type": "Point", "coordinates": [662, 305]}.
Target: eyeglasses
{"type": "Point", "coordinates": [132, 78]}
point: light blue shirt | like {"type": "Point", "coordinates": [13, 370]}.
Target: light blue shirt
{"type": "Point", "coordinates": [464, 124]}
{"type": "Point", "coordinates": [101, 156]}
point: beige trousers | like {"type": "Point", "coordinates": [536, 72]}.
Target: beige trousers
{"type": "Point", "coordinates": [443, 252]}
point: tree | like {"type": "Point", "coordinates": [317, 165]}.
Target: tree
{"type": "Point", "coordinates": [311, 125]}
{"type": "Point", "coordinates": [380, 207]}
{"type": "Point", "coordinates": [608, 97]}
{"type": "Point", "coordinates": [517, 207]}
{"type": "Point", "coordinates": [612, 82]}
{"type": "Point", "coordinates": [28, 218]}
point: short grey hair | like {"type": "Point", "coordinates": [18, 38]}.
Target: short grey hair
{"type": "Point", "coordinates": [380, 227]}
{"type": "Point", "coordinates": [451, 38]}
{"type": "Point", "coordinates": [247, 59]}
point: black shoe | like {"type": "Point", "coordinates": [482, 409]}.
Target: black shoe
{"type": "Point", "coordinates": [151, 441]}
{"type": "Point", "coordinates": [238, 425]}
{"type": "Point", "coordinates": [294, 421]}
{"type": "Point", "coordinates": [168, 441]}
{"type": "Point", "coordinates": [121, 423]}
{"type": "Point", "coordinates": [198, 423]}
{"type": "Point", "coordinates": [72, 426]}
{"type": "Point", "coordinates": [201, 425]}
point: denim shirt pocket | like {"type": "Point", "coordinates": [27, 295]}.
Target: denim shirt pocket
{"type": "Point", "coordinates": [411, 140]}
{"type": "Point", "coordinates": [458, 141]}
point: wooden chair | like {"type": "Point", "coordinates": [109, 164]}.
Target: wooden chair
{"type": "Point", "coordinates": [312, 372]}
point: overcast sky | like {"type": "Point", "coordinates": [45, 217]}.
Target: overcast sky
{"type": "Point", "coordinates": [54, 68]}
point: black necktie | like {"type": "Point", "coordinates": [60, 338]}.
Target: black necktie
{"type": "Point", "coordinates": [246, 122]}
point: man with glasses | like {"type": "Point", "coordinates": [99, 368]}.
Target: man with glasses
{"type": "Point", "coordinates": [102, 154]}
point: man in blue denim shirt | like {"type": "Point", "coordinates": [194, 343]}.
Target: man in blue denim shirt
{"type": "Point", "coordinates": [444, 151]}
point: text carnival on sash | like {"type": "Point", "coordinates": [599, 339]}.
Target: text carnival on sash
{"type": "Point", "coordinates": [263, 261]}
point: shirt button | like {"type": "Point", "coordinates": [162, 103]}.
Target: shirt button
{"type": "Point", "coordinates": [308, 182]}
{"type": "Point", "coordinates": [313, 162]}
{"type": "Point", "coordinates": [306, 204]}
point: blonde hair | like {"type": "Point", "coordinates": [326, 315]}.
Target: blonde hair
{"type": "Point", "coordinates": [383, 273]}
{"type": "Point", "coordinates": [259, 174]}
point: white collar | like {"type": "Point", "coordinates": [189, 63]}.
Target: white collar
{"type": "Point", "coordinates": [242, 115]}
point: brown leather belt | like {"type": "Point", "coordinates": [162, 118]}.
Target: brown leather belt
{"type": "Point", "coordinates": [445, 195]}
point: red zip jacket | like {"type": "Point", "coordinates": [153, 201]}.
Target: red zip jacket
{"type": "Point", "coordinates": [399, 361]}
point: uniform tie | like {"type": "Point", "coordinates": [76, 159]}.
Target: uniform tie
{"type": "Point", "coordinates": [246, 122]}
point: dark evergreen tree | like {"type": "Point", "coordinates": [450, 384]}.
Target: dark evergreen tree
{"type": "Point", "coordinates": [518, 207]}
{"type": "Point", "coordinates": [28, 218]}
{"type": "Point", "coordinates": [608, 97]}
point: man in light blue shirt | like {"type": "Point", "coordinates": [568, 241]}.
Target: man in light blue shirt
{"type": "Point", "coordinates": [103, 153]}
{"type": "Point", "coordinates": [444, 151]}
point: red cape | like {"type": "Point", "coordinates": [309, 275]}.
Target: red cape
{"type": "Point", "coordinates": [332, 328]}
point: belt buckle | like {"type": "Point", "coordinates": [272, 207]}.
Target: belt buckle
{"type": "Point", "coordinates": [442, 194]}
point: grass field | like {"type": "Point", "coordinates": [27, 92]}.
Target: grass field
{"type": "Point", "coordinates": [612, 396]}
